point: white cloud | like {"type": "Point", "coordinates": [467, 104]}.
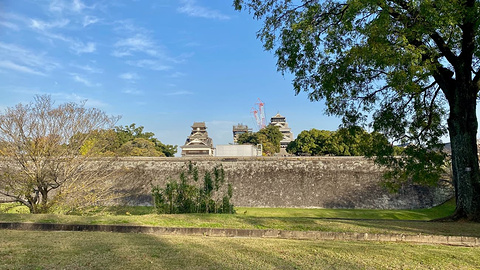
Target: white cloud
{"type": "Point", "coordinates": [75, 6]}
{"type": "Point", "coordinates": [9, 25]}
{"type": "Point", "coordinates": [177, 75]}
{"type": "Point", "coordinates": [72, 97]}
{"type": "Point", "coordinates": [132, 92]}
{"type": "Point", "coordinates": [20, 59]}
{"type": "Point", "coordinates": [86, 82]}
{"type": "Point", "coordinates": [80, 47]}
{"type": "Point", "coordinates": [88, 68]}
{"type": "Point", "coordinates": [129, 76]}
{"type": "Point", "coordinates": [150, 64]}
{"type": "Point", "coordinates": [128, 27]}
{"type": "Point", "coordinates": [179, 93]}
{"type": "Point", "coordinates": [87, 20]}
{"type": "Point", "coordinates": [41, 25]}
{"type": "Point", "coordinates": [137, 43]}
{"type": "Point", "coordinates": [78, 5]}
{"type": "Point", "coordinates": [191, 8]}
{"type": "Point", "coordinates": [16, 67]}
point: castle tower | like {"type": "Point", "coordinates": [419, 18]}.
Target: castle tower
{"type": "Point", "coordinates": [279, 121]}
{"type": "Point", "coordinates": [239, 130]}
{"type": "Point", "coordinates": [198, 143]}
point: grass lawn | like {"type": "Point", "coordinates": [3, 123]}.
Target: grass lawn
{"type": "Point", "coordinates": [332, 220]}
{"type": "Point", "coordinates": [101, 250]}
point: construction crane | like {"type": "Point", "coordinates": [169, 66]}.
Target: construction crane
{"type": "Point", "coordinates": [259, 114]}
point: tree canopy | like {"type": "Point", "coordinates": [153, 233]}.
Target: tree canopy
{"type": "Point", "coordinates": [353, 141]}
{"type": "Point", "coordinates": [269, 137]}
{"type": "Point", "coordinates": [128, 141]}
{"type": "Point", "coordinates": [410, 69]}
{"type": "Point", "coordinates": [135, 142]}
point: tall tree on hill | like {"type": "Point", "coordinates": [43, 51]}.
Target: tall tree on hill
{"type": "Point", "coordinates": [45, 149]}
{"type": "Point", "coordinates": [406, 65]}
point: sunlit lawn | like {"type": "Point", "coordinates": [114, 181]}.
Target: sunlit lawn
{"type": "Point", "coordinates": [100, 250]}
{"type": "Point", "coordinates": [332, 220]}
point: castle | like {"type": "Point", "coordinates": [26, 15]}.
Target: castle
{"type": "Point", "coordinates": [199, 144]}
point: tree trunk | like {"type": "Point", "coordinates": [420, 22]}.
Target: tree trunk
{"type": "Point", "coordinates": [462, 126]}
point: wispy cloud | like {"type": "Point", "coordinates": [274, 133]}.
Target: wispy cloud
{"type": "Point", "coordinates": [179, 93]}
{"type": "Point", "coordinates": [88, 68]}
{"type": "Point", "coordinates": [83, 80]}
{"type": "Point", "coordinates": [90, 102]}
{"type": "Point", "coordinates": [79, 47]}
{"type": "Point", "coordinates": [19, 59]}
{"type": "Point", "coordinates": [177, 75]}
{"type": "Point", "coordinates": [150, 64]}
{"type": "Point", "coordinates": [191, 8]}
{"type": "Point", "coordinates": [75, 6]}
{"type": "Point", "coordinates": [16, 67]}
{"type": "Point", "coordinates": [9, 25]}
{"type": "Point", "coordinates": [42, 25]}
{"type": "Point", "coordinates": [129, 76]}
{"type": "Point", "coordinates": [137, 43]}
{"type": "Point", "coordinates": [88, 20]}
{"type": "Point", "coordinates": [132, 92]}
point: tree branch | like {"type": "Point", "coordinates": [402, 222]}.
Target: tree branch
{"type": "Point", "coordinates": [444, 49]}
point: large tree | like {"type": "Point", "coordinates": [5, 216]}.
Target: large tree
{"type": "Point", "coordinates": [411, 68]}
{"type": "Point", "coordinates": [269, 137]}
{"type": "Point", "coordinates": [353, 141]}
{"type": "Point", "coordinates": [47, 152]}
{"type": "Point", "coordinates": [134, 141]}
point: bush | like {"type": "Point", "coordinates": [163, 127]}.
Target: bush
{"type": "Point", "coordinates": [187, 197]}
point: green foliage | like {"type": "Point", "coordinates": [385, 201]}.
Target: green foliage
{"type": "Point", "coordinates": [185, 197]}
{"type": "Point", "coordinates": [133, 141]}
{"type": "Point", "coordinates": [269, 137]}
{"type": "Point", "coordinates": [353, 141]}
{"type": "Point", "coordinates": [403, 66]}
{"type": "Point", "coordinates": [124, 141]}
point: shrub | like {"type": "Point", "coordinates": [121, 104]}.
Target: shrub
{"type": "Point", "coordinates": [187, 196]}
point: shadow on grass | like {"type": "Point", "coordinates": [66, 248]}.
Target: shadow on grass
{"type": "Point", "coordinates": [100, 250]}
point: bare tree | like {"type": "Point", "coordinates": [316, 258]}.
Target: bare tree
{"type": "Point", "coordinates": [47, 152]}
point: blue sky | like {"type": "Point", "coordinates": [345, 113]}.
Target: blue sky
{"type": "Point", "coordinates": [162, 64]}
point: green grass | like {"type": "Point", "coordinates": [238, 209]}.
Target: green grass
{"type": "Point", "coordinates": [100, 250]}
{"type": "Point", "coordinates": [332, 220]}
{"type": "Point", "coordinates": [417, 214]}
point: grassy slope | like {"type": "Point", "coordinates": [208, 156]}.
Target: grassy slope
{"type": "Point", "coordinates": [100, 250]}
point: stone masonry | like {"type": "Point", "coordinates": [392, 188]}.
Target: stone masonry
{"type": "Point", "coordinates": [315, 182]}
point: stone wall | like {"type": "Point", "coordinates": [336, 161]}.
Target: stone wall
{"type": "Point", "coordinates": [320, 182]}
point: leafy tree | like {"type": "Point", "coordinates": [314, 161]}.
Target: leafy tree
{"type": "Point", "coordinates": [406, 65]}
{"type": "Point", "coordinates": [44, 152]}
{"type": "Point", "coordinates": [269, 137]}
{"type": "Point", "coordinates": [134, 139]}
{"type": "Point", "coordinates": [139, 147]}
{"type": "Point", "coordinates": [313, 142]}
{"type": "Point", "coordinates": [127, 141]}
{"type": "Point", "coordinates": [353, 141]}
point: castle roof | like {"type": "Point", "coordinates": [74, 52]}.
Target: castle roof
{"type": "Point", "coordinates": [278, 116]}
{"type": "Point", "coordinates": [199, 125]}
